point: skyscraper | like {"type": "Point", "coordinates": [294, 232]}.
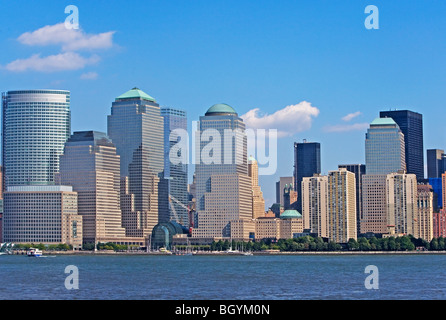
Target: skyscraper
{"type": "Point", "coordinates": [411, 124]}
{"type": "Point", "coordinates": [136, 128]}
{"type": "Point", "coordinates": [91, 166]}
{"type": "Point", "coordinates": [315, 204]}
{"type": "Point", "coordinates": [341, 206]}
{"type": "Point", "coordinates": [425, 204]}
{"type": "Point", "coordinates": [280, 186]}
{"type": "Point", "coordinates": [175, 174]}
{"type": "Point", "coordinates": [359, 171]}
{"type": "Point", "coordinates": [307, 162]}
{"type": "Point", "coordinates": [223, 187]}
{"type": "Point", "coordinates": [258, 202]}
{"type": "Point", "coordinates": [384, 147]}
{"type": "Point", "coordinates": [384, 153]}
{"type": "Point", "coordinates": [35, 127]}
{"type": "Point", "coordinates": [401, 201]}
{"type": "Point", "coordinates": [436, 163]}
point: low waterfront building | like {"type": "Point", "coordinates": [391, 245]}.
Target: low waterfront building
{"type": "Point", "coordinates": [42, 214]}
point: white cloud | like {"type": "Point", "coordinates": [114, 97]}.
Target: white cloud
{"type": "Point", "coordinates": [351, 116]}
{"type": "Point", "coordinates": [89, 76]}
{"type": "Point", "coordinates": [69, 39]}
{"type": "Point", "coordinates": [347, 127]}
{"type": "Point", "coordinates": [287, 121]}
{"type": "Point", "coordinates": [52, 63]}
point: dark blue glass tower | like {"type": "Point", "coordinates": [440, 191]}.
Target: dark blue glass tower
{"type": "Point", "coordinates": [307, 162]}
{"type": "Point", "coordinates": [411, 124]}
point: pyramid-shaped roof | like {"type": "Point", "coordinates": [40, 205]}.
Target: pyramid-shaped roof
{"type": "Point", "coordinates": [135, 93]}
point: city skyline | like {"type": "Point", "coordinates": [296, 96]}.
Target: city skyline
{"type": "Point", "coordinates": [346, 75]}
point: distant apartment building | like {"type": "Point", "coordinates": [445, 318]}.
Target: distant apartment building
{"type": "Point", "coordinates": [359, 171]}
{"type": "Point", "coordinates": [401, 203]}
{"type": "Point", "coordinates": [315, 204]}
{"type": "Point", "coordinates": [439, 223]}
{"type": "Point", "coordinates": [42, 214]}
{"type": "Point", "coordinates": [341, 205]}
{"type": "Point", "coordinates": [425, 201]}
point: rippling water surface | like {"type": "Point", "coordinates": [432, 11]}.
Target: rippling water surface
{"type": "Point", "coordinates": [278, 277]}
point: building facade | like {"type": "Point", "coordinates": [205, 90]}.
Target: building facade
{"type": "Point", "coordinates": [307, 162]}
{"type": "Point", "coordinates": [359, 171]}
{"type": "Point", "coordinates": [436, 163]}
{"type": "Point", "coordinates": [175, 172]}
{"type": "Point", "coordinates": [315, 204]}
{"type": "Point", "coordinates": [258, 202]}
{"type": "Point", "coordinates": [341, 205]}
{"type": "Point", "coordinates": [425, 204]}
{"type": "Point", "coordinates": [223, 187]}
{"type": "Point", "coordinates": [136, 128]}
{"type": "Point", "coordinates": [401, 204]}
{"type": "Point", "coordinates": [42, 214]}
{"type": "Point", "coordinates": [280, 186]}
{"type": "Point", "coordinates": [35, 127]}
{"type": "Point", "coordinates": [411, 125]}
{"type": "Point", "coordinates": [91, 166]}
{"type": "Point", "coordinates": [385, 154]}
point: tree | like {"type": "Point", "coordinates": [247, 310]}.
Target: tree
{"type": "Point", "coordinates": [434, 244]}
{"type": "Point", "coordinates": [352, 244]}
{"type": "Point", "coordinates": [363, 244]}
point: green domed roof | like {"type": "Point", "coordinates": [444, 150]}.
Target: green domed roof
{"type": "Point", "coordinates": [290, 214]}
{"type": "Point", "coordinates": [219, 109]}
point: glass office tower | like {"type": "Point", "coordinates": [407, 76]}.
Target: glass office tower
{"type": "Point", "coordinates": [35, 127]}
{"type": "Point", "coordinates": [307, 162]}
{"type": "Point", "coordinates": [411, 124]}
{"type": "Point", "coordinates": [136, 128]}
{"type": "Point", "coordinates": [384, 154]}
{"type": "Point", "coordinates": [436, 163]}
{"type": "Point", "coordinates": [384, 147]}
{"type": "Point", "coordinates": [174, 174]}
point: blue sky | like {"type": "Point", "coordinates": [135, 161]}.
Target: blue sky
{"type": "Point", "coordinates": [263, 55]}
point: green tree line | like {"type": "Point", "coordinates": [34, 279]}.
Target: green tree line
{"type": "Point", "coordinates": [308, 243]}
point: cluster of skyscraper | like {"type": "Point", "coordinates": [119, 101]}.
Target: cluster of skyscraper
{"type": "Point", "coordinates": [122, 187]}
{"type": "Point", "coordinates": [388, 195]}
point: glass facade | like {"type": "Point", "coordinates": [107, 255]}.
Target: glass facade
{"type": "Point", "coordinates": [175, 175]}
{"type": "Point", "coordinates": [436, 163]}
{"type": "Point", "coordinates": [35, 127]}
{"type": "Point", "coordinates": [411, 124]}
{"type": "Point", "coordinates": [384, 148]}
{"type": "Point", "coordinates": [307, 162]}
